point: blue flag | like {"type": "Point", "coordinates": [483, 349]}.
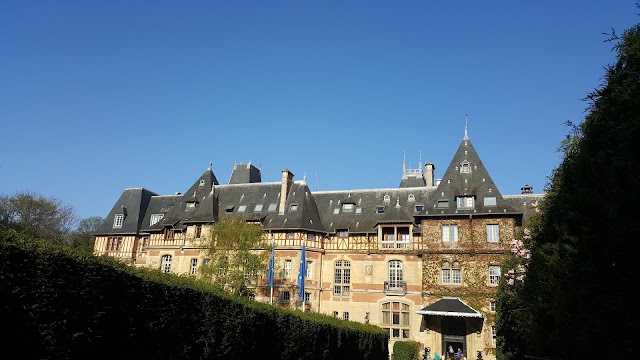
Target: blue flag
{"type": "Point", "coordinates": [302, 273]}
{"type": "Point", "coordinates": [271, 265]}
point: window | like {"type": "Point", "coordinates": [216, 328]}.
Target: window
{"type": "Point", "coordinates": [492, 233]}
{"type": "Point", "coordinates": [492, 306]}
{"type": "Point", "coordinates": [198, 231]}
{"type": "Point", "coordinates": [395, 319]}
{"type": "Point", "coordinates": [242, 208]}
{"type": "Point", "coordinates": [494, 275]}
{"type": "Point", "coordinates": [490, 201]}
{"type": "Point", "coordinates": [451, 273]}
{"type": "Point", "coordinates": [310, 236]}
{"type": "Point", "coordinates": [493, 335]}
{"type": "Point", "coordinates": [287, 268]}
{"type": "Point", "coordinates": [347, 207]}
{"type": "Point", "coordinates": [194, 266]}
{"type": "Point", "coordinates": [258, 208]}
{"type": "Point", "coordinates": [336, 211]}
{"type": "Point", "coordinates": [443, 203]}
{"type": "Point", "coordinates": [395, 274]}
{"type": "Point", "coordinates": [118, 220]}
{"type": "Point", "coordinates": [286, 296]}
{"type": "Point", "coordinates": [168, 234]}
{"type": "Point", "coordinates": [114, 243]}
{"type": "Point", "coordinates": [358, 210]}
{"type": "Point", "coordinates": [290, 235]}
{"type": "Point", "coordinates": [309, 273]}
{"type": "Point", "coordinates": [345, 315]}
{"type": "Point", "coordinates": [166, 264]}
{"type": "Point", "coordinates": [307, 297]}
{"type": "Point", "coordinates": [293, 207]}
{"type": "Point", "coordinates": [418, 208]}
{"type": "Point", "coordinates": [387, 198]}
{"type": "Point", "coordinates": [343, 233]}
{"type": "Point", "coordinates": [411, 197]}
{"type": "Point", "coordinates": [335, 314]}
{"type": "Point", "coordinates": [155, 218]}
{"type": "Point", "coordinates": [449, 232]}
{"type": "Point", "coordinates": [465, 202]}
{"type": "Point", "coordinates": [341, 278]}
{"type": "Point", "coordinates": [465, 167]}
{"type": "Point", "coordinates": [379, 209]}
{"type": "Point", "coordinates": [272, 207]}
{"type": "Point", "coordinates": [206, 262]}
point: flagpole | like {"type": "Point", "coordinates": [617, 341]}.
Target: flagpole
{"type": "Point", "coordinates": [271, 265]}
{"type": "Point", "coordinates": [303, 276]}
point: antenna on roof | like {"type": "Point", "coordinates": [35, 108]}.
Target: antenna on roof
{"type": "Point", "coordinates": [316, 180]}
{"type": "Point", "coordinates": [466, 135]}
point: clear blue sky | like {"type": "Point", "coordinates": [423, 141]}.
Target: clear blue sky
{"type": "Point", "coordinates": [99, 96]}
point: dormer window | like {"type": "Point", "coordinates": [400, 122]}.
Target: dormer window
{"type": "Point", "coordinates": [201, 182]}
{"type": "Point", "coordinates": [444, 203]}
{"type": "Point", "coordinates": [257, 208]}
{"type": "Point", "coordinates": [411, 197]}
{"type": "Point", "coordinates": [465, 202]}
{"type": "Point", "coordinates": [118, 220]}
{"type": "Point", "coordinates": [344, 233]}
{"type": "Point", "coordinates": [379, 209]}
{"type": "Point", "coordinates": [155, 218]}
{"type": "Point", "coordinates": [418, 208]}
{"type": "Point", "coordinates": [347, 207]}
{"type": "Point", "coordinates": [242, 208]}
{"type": "Point", "coordinates": [191, 205]}
{"type": "Point", "coordinates": [465, 167]}
{"type": "Point", "coordinates": [293, 207]}
{"type": "Point", "coordinates": [387, 198]}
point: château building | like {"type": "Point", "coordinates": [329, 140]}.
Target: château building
{"type": "Point", "coordinates": [421, 260]}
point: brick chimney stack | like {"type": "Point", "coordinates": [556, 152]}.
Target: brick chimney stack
{"type": "Point", "coordinates": [287, 180]}
{"type": "Point", "coordinates": [429, 174]}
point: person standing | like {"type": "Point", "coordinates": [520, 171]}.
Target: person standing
{"type": "Point", "coordinates": [459, 354]}
{"type": "Point", "coordinates": [450, 352]}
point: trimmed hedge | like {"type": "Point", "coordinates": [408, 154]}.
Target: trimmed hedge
{"type": "Point", "coordinates": [67, 305]}
{"type": "Point", "coordinates": [406, 350]}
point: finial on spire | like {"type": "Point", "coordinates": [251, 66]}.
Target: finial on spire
{"type": "Point", "coordinates": [466, 134]}
{"type": "Point", "coordinates": [304, 178]}
{"type": "Point", "coordinates": [210, 165]}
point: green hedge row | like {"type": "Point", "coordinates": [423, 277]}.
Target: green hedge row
{"type": "Point", "coordinates": [406, 350]}
{"type": "Point", "coordinates": [66, 305]}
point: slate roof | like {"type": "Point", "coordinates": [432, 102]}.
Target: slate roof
{"type": "Point", "coordinates": [450, 306]}
{"type": "Point", "coordinates": [133, 205]}
{"type": "Point", "coordinates": [244, 174]}
{"type": "Point", "coordinates": [467, 176]}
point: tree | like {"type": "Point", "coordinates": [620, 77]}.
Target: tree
{"type": "Point", "coordinates": [235, 264]}
{"type": "Point", "coordinates": [82, 237]}
{"type": "Point", "coordinates": [38, 216]}
{"type": "Point", "coordinates": [584, 245]}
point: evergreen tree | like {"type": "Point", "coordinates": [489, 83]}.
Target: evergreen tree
{"type": "Point", "coordinates": [575, 302]}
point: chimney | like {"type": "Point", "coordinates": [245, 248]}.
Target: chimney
{"type": "Point", "coordinates": [526, 189]}
{"type": "Point", "coordinates": [428, 176]}
{"type": "Point", "coordinates": [287, 180]}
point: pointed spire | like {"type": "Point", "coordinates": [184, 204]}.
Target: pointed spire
{"type": "Point", "coordinates": [404, 161]}
{"type": "Point", "coordinates": [466, 135]}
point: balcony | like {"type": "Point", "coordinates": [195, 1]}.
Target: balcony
{"type": "Point", "coordinates": [395, 287]}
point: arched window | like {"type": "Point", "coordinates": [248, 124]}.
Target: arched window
{"type": "Point", "coordinates": [451, 273]}
{"type": "Point", "coordinates": [395, 319]}
{"type": "Point", "coordinates": [166, 264]}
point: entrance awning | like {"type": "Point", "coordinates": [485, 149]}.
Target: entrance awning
{"type": "Point", "coordinates": [450, 306]}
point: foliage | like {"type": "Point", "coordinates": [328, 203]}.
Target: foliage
{"type": "Point", "coordinates": [67, 305]}
{"type": "Point", "coordinates": [234, 264]}
{"type": "Point", "coordinates": [583, 246]}
{"type": "Point", "coordinates": [82, 237]}
{"type": "Point", "coordinates": [36, 215]}
{"type": "Point", "coordinates": [406, 350]}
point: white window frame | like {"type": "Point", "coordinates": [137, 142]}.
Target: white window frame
{"type": "Point", "coordinates": [287, 268]}
{"type": "Point", "coordinates": [307, 297]}
{"type": "Point", "coordinates": [494, 275]}
{"type": "Point", "coordinates": [492, 306]}
{"type": "Point", "coordinates": [166, 264]}
{"type": "Point", "coordinates": [155, 218]}
{"type": "Point", "coordinates": [194, 266]}
{"type": "Point", "coordinates": [309, 269]}
{"type": "Point", "coordinates": [118, 220]}
{"type": "Point", "coordinates": [347, 207]}
{"type": "Point", "coordinates": [258, 208]}
{"type": "Point", "coordinates": [465, 202]}
{"type": "Point", "coordinates": [395, 274]}
{"type": "Point", "coordinates": [449, 232]}
{"type": "Point", "coordinates": [493, 233]}
{"type": "Point", "coordinates": [345, 315]}
{"type": "Point", "coordinates": [342, 278]}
